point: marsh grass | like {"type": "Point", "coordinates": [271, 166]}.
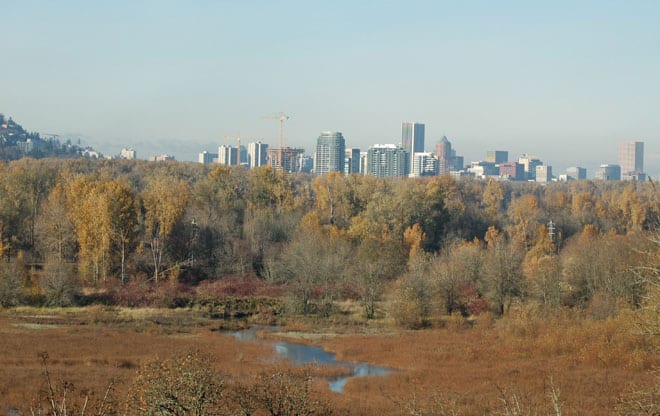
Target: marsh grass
{"type": "Point", "coordinates": [596, 364]}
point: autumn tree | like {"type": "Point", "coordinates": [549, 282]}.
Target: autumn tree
{"type": "Point", "coordinates": [59, 283]}
{"type": "Point", "coordinates": [165, 201]}
{"type": "Point", "coordinates": [265, 231]}
{"type": "Point", "coordinates": [502, 270]}
{"type": "Point", "coordinates": [313, 265]}
{"type": "Point", "coordinates": [54, 229]}
{"type": "Point", "coordinates": [121, 203]}
{"type": "Point", "coordinates": [524, 213]}
{"type": "Point", "coordinates": [218, 206]}
{"type": "Point", "coordinates": [600, 263]}
{"type": "Point", "coordinates": [379, 260]}
{"type": "Point", "coordinates": [332, 201]}
{"type": "Point", "coordinates": [455, 270]}
{"type": "Point", "coordinates": [414, 294]}
{"type": "Point", "coordinates": [29, 182]}
{"type": "Point", "coordinates": [269, 189]}
{"type": "Point", "coordinates": [542, 270]}
{"type": "Point", "coordinates": [12, 281]}
{"type": "Point", "coordinates": [493, 197]}
{"type": "Point", "coordinates": [88, 209]}
{"type": "Point", "coordinates": [394, 206]}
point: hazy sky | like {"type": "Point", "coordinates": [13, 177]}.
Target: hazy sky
{"type": "Point", "coordinates": [565, 81]}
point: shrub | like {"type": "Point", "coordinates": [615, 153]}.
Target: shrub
{"type": "Point", "coordinates": [59, 284]}
{"type": "Point", "coordinates": [234, 285]}
{"type": "Point", "coordinates": [183, 385]}
{"type": "Point", "coordinates": [279, 393]}
{"type": "Point", "coordinates": [12, 276]}
{"type": "Point", "coordinates": [408, 309]}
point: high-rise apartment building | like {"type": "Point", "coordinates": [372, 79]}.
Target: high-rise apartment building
{"type": "Point", "coordinates": [227, 155]}
{"type": "Point", "coordinates": [631, 158]}
{"type": "Point", "coordinates": [425, 164]}
{"type": "Point", "coordinates": [412, 139]}
{"type": "Point", "coordinates": [257, 154]}
{"type": "Point", "coordinates": [206, 158]}
{"type": "Point", "coordinates": [387, 160]}
{"type": "Point", "coordinates": [352, 161]}
{"type": "Point", "coordinates": [305, 163]}
{"type": "Point", "coordinates": [363, 163]}
{"type": "Point", "coordinates": [330, 153]}
{"type": "Point", "coordinates": [290, 158]}
{"type": "Point", "coordinates": [497, 156]}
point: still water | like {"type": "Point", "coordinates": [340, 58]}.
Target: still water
{"type": "Point", "coordinates": [300, 354]}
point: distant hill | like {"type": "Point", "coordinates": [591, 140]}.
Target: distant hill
{"type": "Point", "coordinates": [16, 142]}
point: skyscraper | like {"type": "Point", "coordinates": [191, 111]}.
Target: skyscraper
{"type": "Point", "coordinates": [257, 154]}
{"type": "Point", "coordinates": [412, 139]}
{"type": "Point", "coordinates": [352, 163]}
{"type": "Point", "coordinates": [631, 158]}
{"type": "Point", "coordinates": [443, 152]}
{"type": "Point", "coordinates": [330, 153]}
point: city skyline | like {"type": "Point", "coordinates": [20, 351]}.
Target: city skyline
{"type": "Point", "coordinates": [528, 78]}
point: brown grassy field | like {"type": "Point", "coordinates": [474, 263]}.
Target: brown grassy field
{"type": "Point", "coordinates": [590, 363]}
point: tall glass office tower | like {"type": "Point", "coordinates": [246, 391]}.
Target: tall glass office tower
{"type": "Point", "coordinates": [412, 140]}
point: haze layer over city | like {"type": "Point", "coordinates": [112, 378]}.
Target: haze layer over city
{"type": "Point", "coordinates": [564, 82]}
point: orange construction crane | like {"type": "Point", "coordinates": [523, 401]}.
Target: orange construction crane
{"type": "Point", "coordinates": [282, 118]}
{"type": "Point", "coordinates": [238, 147]}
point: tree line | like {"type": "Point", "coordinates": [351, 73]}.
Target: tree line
{"type": "Point", "coordinates": [439, 244]}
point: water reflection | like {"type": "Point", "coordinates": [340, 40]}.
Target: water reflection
{"type": "Point", "coordinates": [300, 354]}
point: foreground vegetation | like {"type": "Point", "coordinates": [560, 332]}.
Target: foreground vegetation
{"type": "Point", "coordinates": [531, 298]}
{"type": "Point", "coordinates": [593, 366]}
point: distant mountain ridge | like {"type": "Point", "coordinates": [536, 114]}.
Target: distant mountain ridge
{"type": "Point", "coordinates": [16, 142]}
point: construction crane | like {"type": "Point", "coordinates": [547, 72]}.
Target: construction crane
{"type": "Point", "coordinates": [282, 118]}
{"type": "Point", "coordinates": [238, 148]}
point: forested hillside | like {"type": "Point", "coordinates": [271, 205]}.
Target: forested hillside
{"type": "Point", "coordinates": [16, 142]}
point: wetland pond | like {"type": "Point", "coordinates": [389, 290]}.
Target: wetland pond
{"type": "Point", "coordinates": [300, 354]}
